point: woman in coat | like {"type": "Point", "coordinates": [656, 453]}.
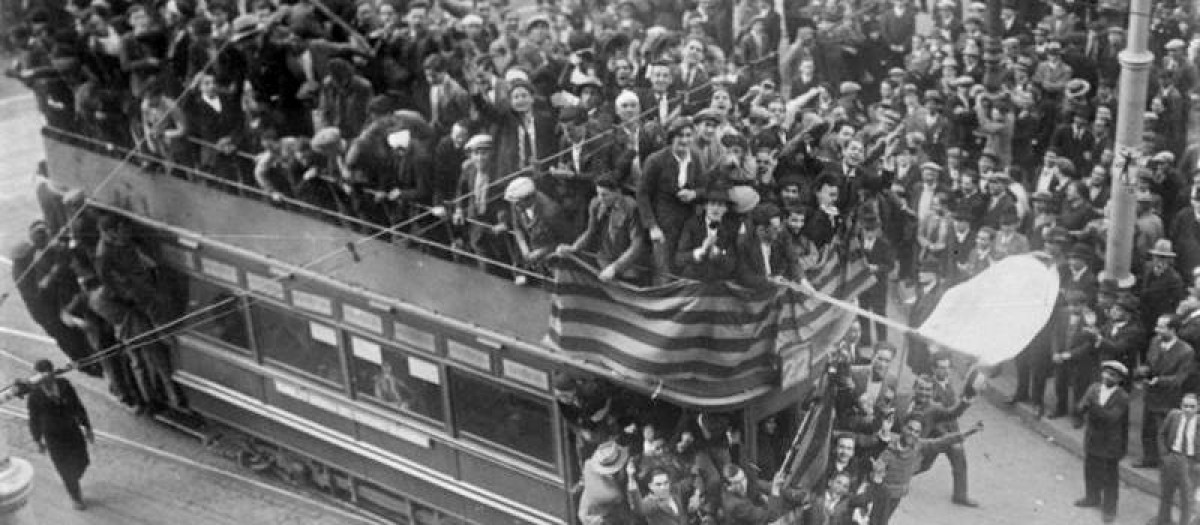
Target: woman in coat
{"type": "Point", "coordinates": [59, 424]}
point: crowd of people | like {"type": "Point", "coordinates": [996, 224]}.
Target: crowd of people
{"type": "Point", "coordinates": [89, 280]}
{"type": "Point", "coordinates": [664, 139]}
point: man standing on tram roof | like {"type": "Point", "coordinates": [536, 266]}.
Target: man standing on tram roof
{"type": "Point", "coordinates": [614, 233]}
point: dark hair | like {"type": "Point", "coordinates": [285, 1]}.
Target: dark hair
{"type": "Point", "coordinates": [1172, 321]}
{"type": "Point", "coordinates": [43, 366]}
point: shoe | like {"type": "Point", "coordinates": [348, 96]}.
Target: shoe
{"type": "Point", "coordinates": [1041, 411]}
{"type": "Point", "coordinates": [1058, 414]}
{"type": "Point", "coordinates": [965, 502]}
{"type": "Point", "coordinates": [1145, 463]}
{"type": "Point", "coordinates": [1084, 503]}
{"type": "Point", "coordinates": [79, 505]}
{"type": "Point", "coordinates": [1017, 399]}
{"type": "Point", "coordinates": [1108, 517]}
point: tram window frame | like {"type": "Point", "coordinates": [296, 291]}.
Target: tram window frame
{"type": "Point", "coordinates": [243, 309]}
{"type": "Point", "coordinates": [433, 397]}
{"type": "Point", "coordinates": [459, 378]}
{"type": "Point", "coordinates": [309, 323]}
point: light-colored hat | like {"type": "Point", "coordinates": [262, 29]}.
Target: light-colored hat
{"type": "Point", "coordinates": [1115, 366]}
{"type": "Point", "coordinates": [399, 139]}
{"type": "Point", "coordinates": [1078, 87]}
{"type": "Point", "coordinates": [932, 166]}
{"type": "Point", "coordinates": [1162, 248]}
{"type": "Point", "coordinates": [744, 198]}
{"type": "Point", "coordinates": [519, 189]}
{"type": "Point", "coordinates": [1175, 43]}
{"type": "Point", "coordinates": [479, 142]}
{"type": "Point", "coordinates": [964, 81]}
{"type": "Point", "coordinates": [627, 96]}
{"type": "Point", "coordinates": [849, 88]}
{"type": "Point", "coordinates": [326, 137]}
{"type": "Point", "coordinates": [609, 458]}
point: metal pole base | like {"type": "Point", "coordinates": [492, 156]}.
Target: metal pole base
{"type": "Point", "coordinates": [16, 482]}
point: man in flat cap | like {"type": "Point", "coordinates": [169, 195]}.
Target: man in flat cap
{"type": "Point", "coordinates": [1105, 409]}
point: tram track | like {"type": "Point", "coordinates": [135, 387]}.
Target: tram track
{"type": "Point", "coordinates": [333, 507]}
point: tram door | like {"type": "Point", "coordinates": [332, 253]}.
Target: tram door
{"type": "Point", "coordinates": [772, 437]}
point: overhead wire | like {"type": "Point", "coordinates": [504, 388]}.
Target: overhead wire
{"type": "Point", "coordinates": [66, 227]}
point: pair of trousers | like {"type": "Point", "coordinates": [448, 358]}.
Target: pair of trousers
{"type": "Point", "coordinates": [1071, 376]}
{"type": "Point", "coordinates": [883, 508]}
{"type": "Point", "coordinates": [875, 302]}
{"type": "Point", "coordinates": [1033, 369]}
{"type": "Point", "coordinates": [1101, 477]}
{"type": "Point", "coordinates": [1152, 419]}
{"type": "Point", "coordinates": [1176, 476]}
{"type": "Point", "coordinates": [958, 466]}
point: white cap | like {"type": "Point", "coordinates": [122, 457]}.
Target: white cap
{"type": "Point", "coordinates": [627, 96]}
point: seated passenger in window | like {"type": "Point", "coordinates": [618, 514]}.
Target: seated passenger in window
{"type": "Point", "coordinates": [707, 249]}
{"type": "Point", "coordinates": [390, 389]}
{"type": "Point", "coordinates": [614, 234]}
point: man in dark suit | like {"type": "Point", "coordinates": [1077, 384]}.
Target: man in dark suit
{"type": "Point", "coordinates": [1075, 142]}
{"type": "Point", "coordinates": [670, 186]}
{"type": "Point", "coordinates": [1177, 441]}
{"type": "Point", "coordinates": [441, 99]}
{"type": "Point", "coordinates": [1122, 338]}
{"type": "Point", "coordinates": [1168, 363]}
{"type": "Point", "coordinates": [825, 223]}
{"type": "Point", "coordinates": [692, 82]}
{"type": "Point", "coordinates": [880, 259]}
{"type": "Point", "coordinates": [216, 119]}
{"type": "Point", "coordinates": [1184, 232]}
{"type": "Point", "coordinates": [1105, 409]}
{"type": "Point", "coordinates": [1000, 202]}
{"type": "Point", "coordinates": [661, 97]}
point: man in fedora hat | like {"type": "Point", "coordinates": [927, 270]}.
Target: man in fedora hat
{"type": "Point", "coordinates": [1105, 409]}
{"type": "Point", "coordinates": [1160, 287]}
{"type": "Point", "coordinates": [604, 495]}
{"type": "Point", "coordinates": [880, 259]}
{"type": "Point", "coordinates": [1168, 363]}
{"type": "Point", "coordinates": [1122, 338]}
{"type": "Point", "coordinates": [707, 249]}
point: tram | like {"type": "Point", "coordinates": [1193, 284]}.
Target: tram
{"type": "Point", "coordinates": [295, 354]}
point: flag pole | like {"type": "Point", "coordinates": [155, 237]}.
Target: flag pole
{"type": "Point", "coordinates": [856, 309]}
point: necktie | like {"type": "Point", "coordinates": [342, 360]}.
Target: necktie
{"type": "Point", "coordinates": [434, 91]}
{"type": "Point", "coordinates": [1182, 443]}
{"type": "Point", "coordinates": [480, 190]}
{"type": "Point", "coordinates": [682, 178]}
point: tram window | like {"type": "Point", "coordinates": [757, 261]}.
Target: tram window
{"type": "Point", "coordinates": [224, 314]}
{"type": "Point", "coordinates": [308, 346]}
{"type": "Point", "coordinates": [514, 420]}
{"type": "Point", "coordinates": [388, 377]}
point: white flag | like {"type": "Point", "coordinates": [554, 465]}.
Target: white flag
{"type": "Point", "coordinates": [994, 315]}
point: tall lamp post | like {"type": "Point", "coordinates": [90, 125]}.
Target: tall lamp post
{"type": "Point", "coordinates": [1135, 77]}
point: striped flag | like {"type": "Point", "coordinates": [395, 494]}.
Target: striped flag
{"type": "Point", "coordinates": [728, 337]}
{"type": "Point", "coordinates": [807, 458]}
